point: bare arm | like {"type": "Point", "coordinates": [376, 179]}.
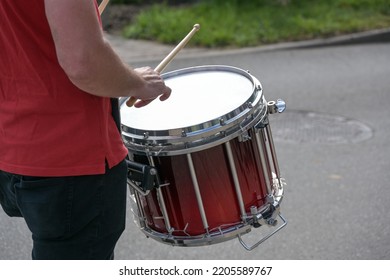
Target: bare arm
{"type": "Point", "coordinates": [89, 61]}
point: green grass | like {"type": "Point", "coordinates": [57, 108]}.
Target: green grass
{"type": "Point", "coordinates": [257, 22]}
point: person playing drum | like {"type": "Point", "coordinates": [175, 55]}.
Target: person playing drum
{"type": "Point", "coordinates": [62, 157]}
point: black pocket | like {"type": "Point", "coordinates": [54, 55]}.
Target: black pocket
{"type": "Point", "coordinates": [7, 194]}
{"type": "Point", "coordinates": [46, 205]}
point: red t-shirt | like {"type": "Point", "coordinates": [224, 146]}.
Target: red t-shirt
{"type": "Point", "coordinates": [48, 127]}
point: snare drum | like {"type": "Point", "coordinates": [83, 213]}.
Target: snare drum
{"type": "Point", "coordinates": [218, 176]}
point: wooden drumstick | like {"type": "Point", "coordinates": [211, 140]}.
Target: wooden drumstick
{"type": "Point", "coordinates": [103, 5]}
{"type": "Point", "coordinates": [163, 64]}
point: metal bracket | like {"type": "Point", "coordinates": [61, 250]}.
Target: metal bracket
{"type": "Point", "coordinates": [251, 247]}
{"type": "Point", "coordinates": [145, 175]}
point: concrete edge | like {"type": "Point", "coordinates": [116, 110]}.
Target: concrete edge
{"type": "Point", "coordinates": [133, 51]}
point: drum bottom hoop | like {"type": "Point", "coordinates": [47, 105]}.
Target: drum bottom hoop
{"type": "Point", "coordinates": [226, 232]}
{"type": "Point", "coordinates": [204, 240]}
{"type": "Point", "coordinates": [201, 240]}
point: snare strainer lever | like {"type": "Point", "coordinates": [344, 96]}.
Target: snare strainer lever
{"type": "Point", "coordinates": [145, 175]}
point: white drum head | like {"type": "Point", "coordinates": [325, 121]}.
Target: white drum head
{"type": "Point", "coordinates": [205, 100]}
{"type": "Point", "coordinates": [197, 97]}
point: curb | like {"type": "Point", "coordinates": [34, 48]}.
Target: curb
{"type": "Point", "coordinates": [132, 51]}
{"type": "Point", "coordinates": [366, 37]}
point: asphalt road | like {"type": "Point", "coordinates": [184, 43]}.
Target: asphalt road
{"type": "Point", "coordinates": [333, 150]}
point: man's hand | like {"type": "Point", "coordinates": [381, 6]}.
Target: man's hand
{"type": "Point", "coordinates": [153, 87]}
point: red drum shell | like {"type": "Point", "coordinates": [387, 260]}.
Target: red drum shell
{"type": "Point", "coordinates": [216, 187]}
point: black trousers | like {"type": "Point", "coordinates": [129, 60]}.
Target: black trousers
{"type": "Point", "coordinates": [74, 218]}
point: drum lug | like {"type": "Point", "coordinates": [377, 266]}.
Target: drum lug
{"type": "Point", "coordinates": [266, 215]}
{"type": "Point", "coordinates": [255, 217]}
{"type": "Point", "coordinates": [244, 137]}
{"type": "Point", "coordinates": [276, 107]}
{"type": "Point", "coordinates": [263, 123]}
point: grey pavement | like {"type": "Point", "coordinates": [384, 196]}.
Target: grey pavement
{"type": "Point", "coordinates": [332, 145]}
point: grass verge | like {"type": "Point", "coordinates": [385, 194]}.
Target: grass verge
{"type": "Point", "coordinates": [250, 23]}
